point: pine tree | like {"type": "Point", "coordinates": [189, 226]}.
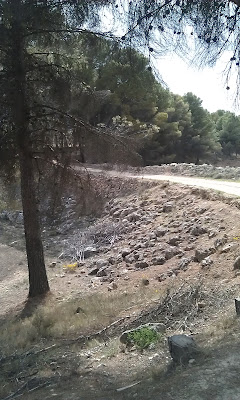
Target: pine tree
{"type": "Point", "coordinates": [35, 85]}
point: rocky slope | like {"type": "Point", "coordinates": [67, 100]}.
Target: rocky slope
{"type": "Point", "coordinates": [175, 247]}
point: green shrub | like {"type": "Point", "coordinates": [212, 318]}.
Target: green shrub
{"type": "Point", "coordinates": [143, 337]}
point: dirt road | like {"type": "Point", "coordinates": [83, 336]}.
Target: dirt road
{"type": "Point", "coordinates": [223, 186]}
{"type": "Point", "coordinates": [229, 187]}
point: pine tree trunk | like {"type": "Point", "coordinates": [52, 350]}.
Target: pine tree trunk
{"type": "Point", "coordinates": [38, 282]}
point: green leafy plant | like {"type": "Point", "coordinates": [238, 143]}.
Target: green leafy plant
{"type": "Point", "coordinates": [143, 337]}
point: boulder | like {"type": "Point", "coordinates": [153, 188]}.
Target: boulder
{"type": "Point", "coordinates": [182, 348]}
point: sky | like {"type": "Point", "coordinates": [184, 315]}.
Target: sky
{"type": "Point", "coordinates": [208, 83]}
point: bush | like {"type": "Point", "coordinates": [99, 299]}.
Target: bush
{"type": "Point", "coordinates": [143, 337]}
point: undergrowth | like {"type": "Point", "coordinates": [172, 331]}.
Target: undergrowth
{"type": "Point", "coordinates": [69, 318]}
{"type": "Point", "coordinates": [143, 337]}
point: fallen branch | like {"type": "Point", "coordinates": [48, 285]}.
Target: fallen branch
{"type": "Point", "coordinates": [128, 387]}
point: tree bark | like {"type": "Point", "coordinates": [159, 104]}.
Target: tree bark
{"type": "Point", "coordinates": [38, 282]}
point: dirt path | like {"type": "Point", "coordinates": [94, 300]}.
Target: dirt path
{"type": "Point", "coordinates": [229, 187]}
{"type": "Point", "coordinates": [223, 186]}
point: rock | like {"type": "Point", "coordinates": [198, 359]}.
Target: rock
{"type": "Point", "coordinates": [102, 272]}
{"type": "Point", "coordinates": [53, 264]}
{"type": "Point", "coordinates": [182, 348]}
{"type": "Point", "coordinates": [236, 264]}
{"type": "Point", "coordinates": [101, 263]}
{"type": "Point", "coordinates": [145, 282]}
{"type": "Point", "coordinates": [160, 232]}
{"type": "Point", "coordinates": [206, 262]}
{"type": "Point", "coordinates": [126, 252]}
{"type": "Point", "coordinates": [112, 286]}
{"type": "Point", "coordinates": [170, 253]}
{"type": "Point", "coordinates": [200, 254]}
{"type": "Point", "coordinates": [183, 263]}
{"type": "Point", "coordinates": [129, 259]}
{"type": "Point", "coordinates": [133, 217]}
{"type": "Point", "coordinates": [89, 251]}
{"type": "Point", "coordinates": [162, 277]}
{"type": "Point", "coordinates": [173, 241]}
{"type": "Point", "coordinates": [141, 264]}
{"type": "Point", "coordinates": [198, 230]}
{"type": "Point", "coordinates": [168, 207]}
{"type": "Point", "coordinates": [93, 271]}
{"type": "Point", "coordinates": [158, 260]}
{"type": "Point", "coordinates": [79, 310]}
{"type": "Point", "coordinates": [220, 242]}
{"type": "Point", "coordinates": [211, 234]}
{"type": "Point", "coordinates": [201, 210]}
{"type": "Point", "coordinates": [228, 247]}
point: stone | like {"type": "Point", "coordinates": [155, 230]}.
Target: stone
{"type": "Point", "coordinates": [170, 253]}
{"type": "Point", "coordinates": [129, 259]}
{"type": "Point", "coordinates": [220, 242]}
{"type": "Point", "coordinates": [200, 254]}
{"type": "Point", "coordinates": [101, 263]}
{"type": "Point", "coordinates": [206, 262]}
{"type": "Point", "coordinates": [160, 232]}
{"type": "Point", "coordinates": [173, 241]}
{"type": "Point", "coordinates": [228, 247]}
{"type": "Point", "coordinates": [162, 277]}
{"type": "Point", "coordinates": [89, 251]}
{"type": "Point", "coordinates": [133, 217]}
{"type": "Point", "coordinates": [93, 271]}
{"type": "Point", "coordinates": [112, 286]}
{"type": "Point", "coordinates": [183, 263]}
{"type": "Point", "coordinates": [141, 264]}
{"type": "Point", "coordinates": [211, 234]}
{"type": "Point", "coordinates": [53, 264]}
{"type": "Point", "coordinates": [198, 230]}
{"type": "Point", "coordinates": [182, 348]}
{"type": "Point", "coordinates": [236, 264]}
{"type": "Point", "coordinates": [102, 272]}
{"type": "Point", "coordinates": [158, 260]}
{"type": "Point", "coordinates": [126, 252]}
{"type": "Point", "coordinates": [168, 207]}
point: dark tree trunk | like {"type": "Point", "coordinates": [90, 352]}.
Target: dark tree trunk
{"type": "Point", "coordinates": [38, 282]}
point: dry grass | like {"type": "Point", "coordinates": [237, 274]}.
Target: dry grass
{"type": "Point", "coordinates": [68, 319]}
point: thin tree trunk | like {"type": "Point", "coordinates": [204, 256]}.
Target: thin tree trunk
{"type": "Point", "coordinates": [38, 282]}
